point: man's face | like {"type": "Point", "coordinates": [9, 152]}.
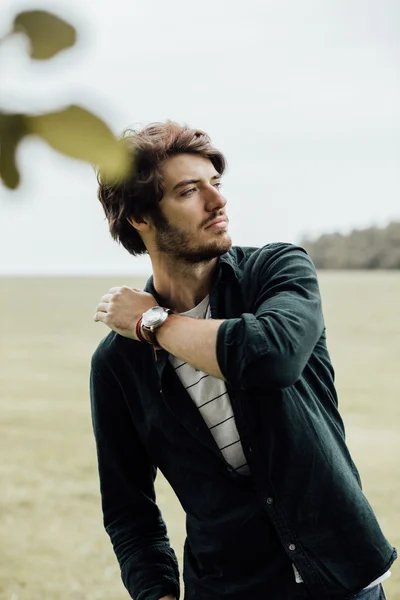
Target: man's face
{"type": "Point", "coordinates": [193, 223]}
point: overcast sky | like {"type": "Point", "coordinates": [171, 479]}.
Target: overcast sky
{"type": "Point", "coordinates": [302, 96]}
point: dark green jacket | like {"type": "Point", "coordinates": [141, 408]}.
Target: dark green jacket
{"type": "Point", "coordinates": [303, 502]}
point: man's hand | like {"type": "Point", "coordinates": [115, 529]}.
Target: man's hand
{"type": "Point", "coordinates": [121, 309]}
{"type": "Point", "coordinates": [169, 597]}
{"type": "Point", "coordinates": [192, 340]}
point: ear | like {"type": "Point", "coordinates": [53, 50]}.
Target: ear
{"type": "Point", "coordinates": [140, 225]}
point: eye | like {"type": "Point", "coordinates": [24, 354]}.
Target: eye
{"type": "Point", "coordinates": [188, 192]}
{"type": "Point", "coordinates": [218, 184]}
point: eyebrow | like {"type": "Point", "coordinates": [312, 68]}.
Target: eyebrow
{"type": "Point", "coordinates": [189, 181]}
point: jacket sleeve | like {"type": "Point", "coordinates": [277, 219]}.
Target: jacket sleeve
{"type": "Point", "coordinates": [149, 568]}
{"type": "Point", "coordinates": [270, 346]}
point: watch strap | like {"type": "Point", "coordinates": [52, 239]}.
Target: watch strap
{"type": "Point", "coordinates": [149, 336]}
{"type": "Point", "coordinates": [144, 334]}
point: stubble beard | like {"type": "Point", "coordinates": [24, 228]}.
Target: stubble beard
{"type": "Point", "coordinates": [177, 245]}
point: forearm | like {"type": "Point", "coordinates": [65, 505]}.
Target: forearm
{"type": "Point", "coordinates": [193, 341]}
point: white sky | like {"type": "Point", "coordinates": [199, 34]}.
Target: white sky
{"type": "Point", "coordinates": [303, 97]}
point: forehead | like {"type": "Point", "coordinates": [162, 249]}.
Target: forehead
{"type": "Point", "coordinates": [186, 166]}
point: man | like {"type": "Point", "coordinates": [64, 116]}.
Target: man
{"type": "Point", "coordinates": [218, 374]}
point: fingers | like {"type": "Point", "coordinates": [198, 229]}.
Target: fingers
{"type": "Point", "coordinates": [111, 293]}
{"type": "Point", "coordinates": [103, 307]}
{"type": "Point", "coordinates": [101, 311]}
{"type": "Point", "coordinates": [119, 301]}
{"type": "Point", "coordinates": [114, 290]}
{"type": "Point", "coordinates": [106, 298]}
{"type": "Point", "coordinates": [100, 316]}
{"type": "Point", "coordinates": [109, 297]}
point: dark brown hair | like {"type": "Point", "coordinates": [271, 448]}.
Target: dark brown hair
{"type": "Point", "coordinates": [138, 196]}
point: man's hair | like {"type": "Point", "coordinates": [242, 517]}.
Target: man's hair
{"type": "Point", "coordinates": [138, 196]}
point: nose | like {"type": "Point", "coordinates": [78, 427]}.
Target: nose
{"type": "Point", "coordinates": [214, 199]}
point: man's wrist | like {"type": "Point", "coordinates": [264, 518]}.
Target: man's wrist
{"type": "Point", "coordinates": [149, 324]}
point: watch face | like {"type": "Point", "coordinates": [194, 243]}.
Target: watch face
{"type": "Point", "coordinates": [153, 315]}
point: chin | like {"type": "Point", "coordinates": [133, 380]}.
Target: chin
{"type": "Point", "coordinates": [227, 243]}
{"type": "Point", "coordinates": [221, 241]}
{"type": "Point", "coordinates": [220, 247]}
{"type": "Point", "coordinates": [207, 252]}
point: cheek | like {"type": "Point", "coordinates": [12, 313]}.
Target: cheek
{"type": "Point", "coordinates": [187, 219]}
{"type": "Point", "coordinates": [187, 215]}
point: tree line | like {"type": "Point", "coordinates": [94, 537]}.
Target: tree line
{"type": "Point", "coordinates": [371, 248]}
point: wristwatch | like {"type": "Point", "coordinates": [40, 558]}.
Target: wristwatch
{"type": "Point", "coordinates": [153, 318]}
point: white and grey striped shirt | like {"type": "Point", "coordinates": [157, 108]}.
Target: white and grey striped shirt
{"type": "Point", "coordinates": [211, 398]}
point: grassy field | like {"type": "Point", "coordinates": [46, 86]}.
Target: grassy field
{"type": "Point", "coordinates": [53, 546]}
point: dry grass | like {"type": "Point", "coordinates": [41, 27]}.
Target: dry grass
{"type": "Point", "coordinates": [52, 543]}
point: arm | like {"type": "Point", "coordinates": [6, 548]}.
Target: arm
{"type": "Point", "coordinates": [192, 340]}
{"type": "Point", "coordinates": [132, 519]}
{"type": "Point", "coordinates": [122, 307]}
{"type": "Point", "coordinates": [268, 347]}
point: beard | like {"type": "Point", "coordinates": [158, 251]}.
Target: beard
{"type": "Point", "coordinates": [177, 244]}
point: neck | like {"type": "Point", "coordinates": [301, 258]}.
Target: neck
{"type": "Point", "coordinates": [182, 286]}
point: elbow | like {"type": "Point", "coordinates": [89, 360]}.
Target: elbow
{"type": "Point", "coordinates": [268, 373]}
{"type": "Point", "coordinates": [251, 355]}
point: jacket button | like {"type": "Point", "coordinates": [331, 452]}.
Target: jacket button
{"type": "Point", "coordinates": [292, 547]}
{"type": "Point", "coordinates": [270, 501]}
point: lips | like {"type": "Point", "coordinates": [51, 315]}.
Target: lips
{"type": "Point", "coordinates": [221, 221]}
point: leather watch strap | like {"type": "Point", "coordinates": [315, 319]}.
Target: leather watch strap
{"type": "Point", "coordinates": [145, 335]}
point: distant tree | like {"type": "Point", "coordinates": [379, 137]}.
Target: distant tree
{"type": "Point", "coordinates": [372, 248]}
{"type": "Point", "coordinates": [72, 130]}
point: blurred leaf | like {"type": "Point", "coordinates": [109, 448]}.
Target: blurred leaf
{"type": "Point", "coordinates": [73, 131]}
{"type": "Point", "coordinates": [12, 130]}
{"type": "Point", "coordinates": [78, 133]}
{"type": "Point", "coordinates": [47, 33]}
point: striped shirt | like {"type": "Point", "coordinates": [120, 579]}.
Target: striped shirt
{"type": "Point", "coordinates": [212, 400]}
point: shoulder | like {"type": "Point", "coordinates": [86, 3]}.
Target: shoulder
{"type": "Point", "coordinates": [247, 260]}
{"type": "Point", "coordinates": [111, 349]}
{"type": "Point", "coordinates": [105, 348]}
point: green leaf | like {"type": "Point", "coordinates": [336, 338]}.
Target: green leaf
{"type": "Point", "coordinates": [47, 33]}
{"type": "Point", "coordinates": [78, 133]}
{"type": "Point", "coordinates": [73, 131]}
{"type": "Point", "coordinates": [12, 130]}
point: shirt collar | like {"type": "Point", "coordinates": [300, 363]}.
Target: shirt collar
{"type": "Point", "coordinates": [227, 261]}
